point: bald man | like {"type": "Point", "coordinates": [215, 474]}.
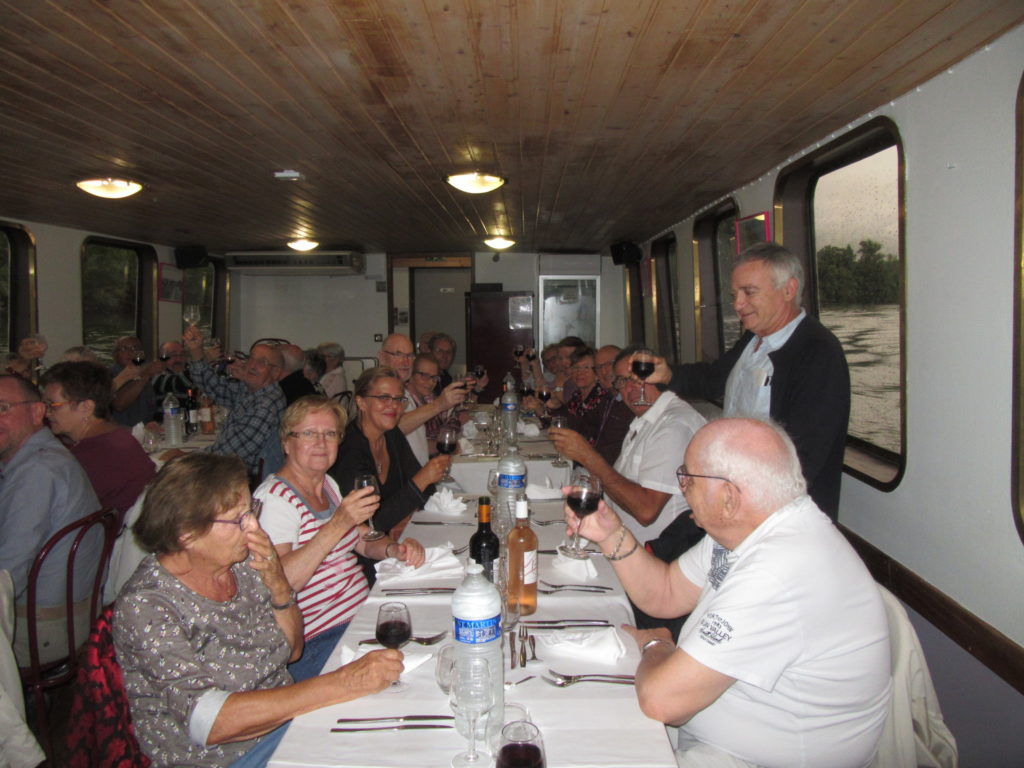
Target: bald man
{"type": "Point", "coordinates": [784, 659]}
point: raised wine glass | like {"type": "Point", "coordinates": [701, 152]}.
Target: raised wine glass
{"type": "Point", "coordinates": [642, 367]}
{"type": "Point", "coordinates": [190, 314]}
{"type": "Point", "coordinates": [518, 351]}
{"type": "Point", "coordinates": [447, 443]}
{"type": "Point", "coordinates": [584, 494]}
{"type": "Point", "coordinates": [544, 394]}
{"type": "Point", "coordinates": [369, 481]}
{"type": "Point", "coordinates": [394, 628]}
{"type": "Point", "coordinates": [479, 371]}
{"type": "Point", "coordinates": [471, 697]}
{"type": "Point", "coordinates": [139, 357]}
{"type": "Point", "coordinates": [560, 422]}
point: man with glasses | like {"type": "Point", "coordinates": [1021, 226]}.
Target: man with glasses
{"type": "Point", "coordinates": [174, 377]}
{"type": "Point", "coordinates": [787, 634]}
{"type": "Point", "coordinates": [134, 399]}
{"type": "Point", "coordinates": [253, 395]}
{"type": "Point", "coordinates": [42, 489]}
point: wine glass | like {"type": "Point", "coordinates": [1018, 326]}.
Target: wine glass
{"type": "Point", "coordinates": [642, 367]}
{"type": "Point", "coordinates": [139, 358]}
{"type": "Point", "coordinates": [471, 698]}
{"type": "Point", "coordinates": [369, 481]}
{"type": "Point", "coordinates": [531, 354]}
{"type": "Point", "coordinates": [479, 371]}
{"type": "Point", "coordinates": [584, 494]}
{"type": "Point", "coordinates": [521, 746]}
{"type": "Point", "coordinates": [190, 314]}
{"type": "Point", "coordinates": [560, 422]}
{"type": "Point", "coordinates": [544, 394]}
{"type": "Point", "coordinates": [517, 351]}
{"type": "Point", "coordinates": [447, 443]}
{"type": "Point", "coordinates": [444, 667]}
{"type": "Point", "coordinates": [394, 628]}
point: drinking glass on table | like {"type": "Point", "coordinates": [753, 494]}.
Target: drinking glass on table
{"type": "Point", "coordinates": [642, 367]}
{"type": "Point", "coordinates": [521, 746]}
{"type": "Point", "coordinates": [492, 482]}
{"type": "Point", "coordinates": [584, 493]}
{"type": "Point", "coordinates": [394, 628]}
{"type": "Point", "coordinates": [471, 698]}
{"type": "Point", "coordinates": [560, 422]}
{"type": "Point", "coordinates": [369, 481]}
{"type": "Point", "coordinates": [444, 667]}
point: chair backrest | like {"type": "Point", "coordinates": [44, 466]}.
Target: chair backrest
{"type": "Point", "coordinates": [106, 520]}
{"type": "Point", "coordinates": [100, 732]}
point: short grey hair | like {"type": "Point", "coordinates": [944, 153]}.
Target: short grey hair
{"type": "Point", "coordinates": [331, 349]}
{"type": "Point", "coordinates": [782, 261]}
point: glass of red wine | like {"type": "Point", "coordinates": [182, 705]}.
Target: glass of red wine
{"type": "Point", "coordinates": [584, 494]}
{"type": "Point", "coordinates": [369, 481]}
{"type": "Point", "coordinates": [394, 628]}
{"type": "Point", "coordinates": [560, 422]}
{"type": "Point", "coordinates": [642, 367]}
{"type": "Point", "coordinates": [544, 394]}
{"type": "Point", "coordinates": [479, 371]}
{"type": "Point", "coordinates": [521, 746]}
{"type": "Point", "coordinates": [517, 351]}
{"type": "Point", "coordinates": [531, 354]}
{"type": "Point", "coordinates": [447, 443]}
{"type": "Point", "coordinates": [140, 358]}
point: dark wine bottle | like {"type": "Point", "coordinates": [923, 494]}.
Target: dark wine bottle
{"type": "Point", "coordinates": [484, 545]}
{"type": "Point", "coordinates": [191, 407]}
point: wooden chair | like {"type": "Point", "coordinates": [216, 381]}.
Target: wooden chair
{"type": "Point", "coordinates": [39, 677]}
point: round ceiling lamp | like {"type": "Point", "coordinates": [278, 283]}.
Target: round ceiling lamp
{"type": "Point", "coordinates": [302, 244]}
{"type": "Point", "coordinates": [475, 183]}
{"type": "Point", "coordinates": [109, 187]}
{"type": "Point", "coordinates": [499, 243]}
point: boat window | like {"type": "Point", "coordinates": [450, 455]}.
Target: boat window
{"type": "Point", "coordinates": [852, 246]}
{"type": "Point", "coordinates": [717, 326]}
{"type": "Point", "coordinates": [17, 286]}
{"type": "Point", "coordinates": [725, 253]}
{"type": "Point", "coordinates": [199, 290]}
{"type": "Point", "coordinates": [5, 293]}
{"type": "Point", "coordinates": [117, 294]}
{"type": "Point", "coordinates": [663, 304]}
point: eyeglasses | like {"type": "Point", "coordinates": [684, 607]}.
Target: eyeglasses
{"type": "Point", "coordinates": [577, 368]}
{"type": "Point", "coordinates": [620, 382]}
{"type": "Point", "coordinates": [262, 362]}
{"type": "Point", "coordinates": [52, 406]}
{"type": "Point", "coordinates": [399, 355]}
{"type": "Point", "coordinates": [606, 365]}
{"type": "Point", "coordinates": [684, 477]}
{"type": "Point", "coordinates": [427, 375]}
{"type": "Point", "coordinates": [388, 399]}
{"type": "Point", "coordinates": [5, 407]}
{"type": "Point", "coordinates": [310, 435]}
{"type": "Point", "coordinates": [255, 507]}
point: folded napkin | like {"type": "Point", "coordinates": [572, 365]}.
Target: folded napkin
{"type": "Point", "coordinates": [469, 430]}
{"type": "Point", "coordinates": [527, 429]}
{"type": "Point", "coordinates": [466, 446]}
{"type": "Point", "coordinates": [578, 570]}
{"type": "Point", "coordinates": [538, 492]}
{"type": "Point", "coordinates": [139, 431]}
{"type": "Point", "coordinates": [414, 657]}
{"type": "Point", "coordinates": [444, 502]}
{"type": "Point", "coordinates": [599, 645]}
{"type": "Point", "coordinates": [440, 563]}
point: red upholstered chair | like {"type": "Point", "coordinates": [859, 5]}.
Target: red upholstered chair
{"type": "Point", "coordinates": [38, 677]}
{"type": "Point", "coordinates": [100, 733]}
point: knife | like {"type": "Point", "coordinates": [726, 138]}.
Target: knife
{"type": "Point", "coordinates": [403, 727]}
{"type": "Point", "coordinates": [439, 522]}
{"type": "Point", "coordinates": [548, 622]}
{"type": "Point", "coordinates": [544, 627]}
{"type": "Point", "coordinates": [512, 647]}
{"type": "Point", "coordinates": [418, 591]}
{"type": "Point", "coordinates": [555, 552]}
{"type": "Point", "coordinates": [399, 719]}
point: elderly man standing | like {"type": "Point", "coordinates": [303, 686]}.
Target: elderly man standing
{"type": "Point", "coordinates": [253, 395]}
{"type": "Point", "coordinates": [134, 400]}
{"type": "Point", "coordinates": [784, 659]}
{"type": "Point", "coordinates": [42, 489]}
{"type": "Point", "coordinates": [786, 366]}
{"type": "Point", "coordinates": [175, 377]}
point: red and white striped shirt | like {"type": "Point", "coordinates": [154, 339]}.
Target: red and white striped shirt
{"type": "Point", "coordinates": [337, 587]}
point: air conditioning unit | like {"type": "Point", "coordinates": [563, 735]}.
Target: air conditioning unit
{"type": "Point", "coordinates": [292, 263]}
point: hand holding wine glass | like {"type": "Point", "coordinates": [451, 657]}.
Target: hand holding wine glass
{"type": "Point", "coordinates": [642, 367]}
{"type": "Point", "coordinates": [190, 314]}
{"type": "Point", "coordinates": [447, 443]}
{"type": "Point", "coordinates": [585, 492]}
{"type": "Point", "coordinates": [394, 629]}
{"type": "Point", "coordinates": [369, 481]}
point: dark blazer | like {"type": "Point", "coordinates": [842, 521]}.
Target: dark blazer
{"type": "Point", "coordinates": [810, 400]}
{"type": "Point", "coordinates": [296, 385]}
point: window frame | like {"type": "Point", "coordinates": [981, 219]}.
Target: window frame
{"type": "Point", "coordinates": [794, 227]}
{"type": "Point", "coordinates": [664, 253]}
{"type": "Point", "coordinates": [710, 337]}
{"type": "Point", "coordinates": [1017, 418]}
{"type": "Point", "coordinates": [24, 296]}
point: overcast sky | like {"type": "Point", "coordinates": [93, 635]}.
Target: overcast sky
{"type": "Point", "coordinates": [858, 202]}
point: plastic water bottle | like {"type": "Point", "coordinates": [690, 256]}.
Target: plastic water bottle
{"type": "Point", "coordinates": [511, 483]}
{"type": "Point", "coordinates": [510, 417]}
{"type": "Point", "coordinates": [476, 615]}
{"type": "Point", "coordinates": [172, 420]}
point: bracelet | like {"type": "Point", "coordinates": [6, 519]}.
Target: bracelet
{"type": "Point", "coordinates": [649, 643]}
{"type": "Point", "coordinates": [283, 606]}
{"type": "Point", "coordinates": [622, 536]}
{"type": "Point", "coordinates": [387, 547]}
{"type": "Point", "coordinates": [615, 556]}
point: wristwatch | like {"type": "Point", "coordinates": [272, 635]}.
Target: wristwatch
{"type": "Point", "coordinates": [289, 604]}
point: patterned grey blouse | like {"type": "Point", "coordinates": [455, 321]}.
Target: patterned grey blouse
{"type": "Point", "coordinates": [183, 654]}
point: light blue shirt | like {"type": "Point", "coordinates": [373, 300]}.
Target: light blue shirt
{"type": "Point", "coordinates": [748, 391]}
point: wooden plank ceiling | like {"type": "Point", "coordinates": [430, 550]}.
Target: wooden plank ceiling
{"type": "Point", "coordinates": [611, 119]}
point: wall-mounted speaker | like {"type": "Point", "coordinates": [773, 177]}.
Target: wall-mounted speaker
{"type": "Point", "coordinates": [626, 253]}
{"type": "Point", "coordinates": [191, 256]}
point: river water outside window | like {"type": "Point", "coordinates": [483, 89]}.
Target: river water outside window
{"type": "Point", "coordinates": [110, 289]}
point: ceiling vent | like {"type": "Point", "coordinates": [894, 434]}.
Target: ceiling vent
{"type": "Point", "coordinates": [292, 263]}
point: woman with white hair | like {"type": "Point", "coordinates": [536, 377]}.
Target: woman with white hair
{"type": "Point", "coordinates": [334, 381]}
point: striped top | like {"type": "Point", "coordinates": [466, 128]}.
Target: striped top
{"type": "Point", "coordinates": [337, 587]}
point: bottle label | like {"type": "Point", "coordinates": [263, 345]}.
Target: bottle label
{"type": "Point", "coordinates": [204, 414]}
{"type": "Point", "coordinates": [530, 567]}
{"type": "Point", "coordinates": [516, 482]}
{"type": "Point", "coordinates": [477, 631]}
{"type": "Point", "coordinates": [509, 407]}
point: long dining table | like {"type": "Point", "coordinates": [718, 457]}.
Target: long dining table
{"type": "Point", "coordinates": [586, 724]}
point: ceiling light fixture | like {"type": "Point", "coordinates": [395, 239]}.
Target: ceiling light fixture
{"type": "Point", "coordinates": [302, 244]}
{"type": "Point", "coordinates": [475, 183]}
{"type": "Point", "coordinates": [109, 187]}
{"type": "Point", "coordinates": [499, 243]}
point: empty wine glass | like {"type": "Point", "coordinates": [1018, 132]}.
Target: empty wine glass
{"type": "Point", "coordinates": [190, 314]}
{"type": "Point", "coordinates": [394, 628]}
{"type": "Point", "coordinates": [369, 481]}
{"type": "Point", "coordinates": [560, 422]}
{"type": "Point", "coordinates": [521, 746]}
{"type": "Point", "coordinates": [642, 367]}
{"type": "Point", "coordinates": [584, 493]}
{"type": "Point", "coordinates": [447, 443]}
{"type": "Point", "coordinates": [471, 698]}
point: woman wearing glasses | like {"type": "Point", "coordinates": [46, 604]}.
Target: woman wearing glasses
{"type": "Point", "coordinates": [317, 531]}
{"type": "Point", "coordinates": [205, 626]}
{"type": "Point", "coordinates": [375, 445]}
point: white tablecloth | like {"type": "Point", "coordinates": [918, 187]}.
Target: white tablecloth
{"type": "Point", "coordinates": [470, 473]}
{"type": "Point", "coordinates": [583, 725]}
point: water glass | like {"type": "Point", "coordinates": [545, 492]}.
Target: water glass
{"type": "Point", "coordinates": [471, 697]}
{"type": "Point", "coordinates": [444, 665]}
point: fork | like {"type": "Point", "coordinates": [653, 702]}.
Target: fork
{"type": "Point", "coordinates": [591, 590]}
{"type": "Point", "coordinates": [460, 550]}
{"type": "Point", "coordinates": [432, 640]}
{"type": "Point", "coordinates": [559, 682]}
{"type": "Point", "coordinates": [586, 586]}
{"type": "Point", "coordinates": [548, 522]}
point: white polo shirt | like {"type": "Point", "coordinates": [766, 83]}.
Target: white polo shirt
{"type": "Point", "coordinates": [651, 453]}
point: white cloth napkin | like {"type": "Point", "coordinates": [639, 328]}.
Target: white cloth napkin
{"type": "Point", "coordinates": [539, 492]}
{"type": "Point", "coordinates": [469, 430]}
{"type": "Point", "coordinates": [527, 429]}
{"type": "Point", "coordinates": [139, 431]}
{"type": "Point", "coordinates": [444, 502]}
{"type": "Point", "coordinates": [578, 570]}
{"type": "Point", "coordinates": [600, 645]}
{"type": "Point", "coordinates": [414, 657]}
{"type": "Point", "coordinates": [440, 563]}
{"type": "Point", "coordinates": [466, 446]}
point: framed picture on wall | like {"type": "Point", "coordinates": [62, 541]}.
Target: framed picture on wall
{"type": "Point", "coordinates": [169, 286]}
{"type": "Point", "coordinates": [569, 306]}
{"type": "Point", "coordinates": [753, 229]}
